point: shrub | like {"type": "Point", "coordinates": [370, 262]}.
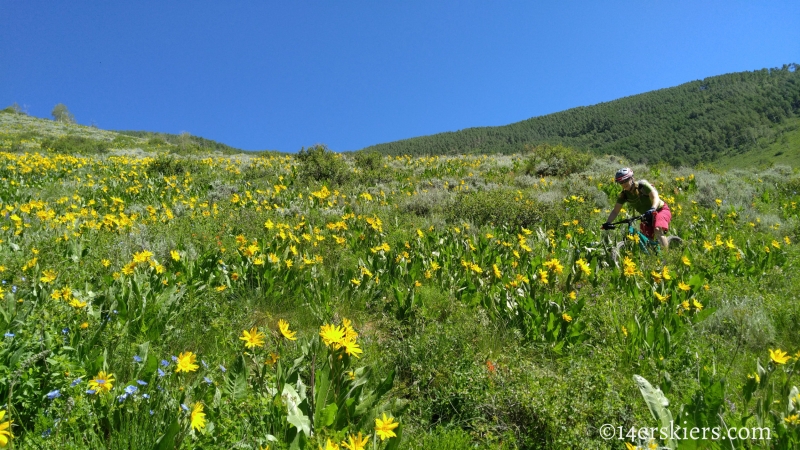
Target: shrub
{"type": "Point", "coordinates": [372, 167]}
{"type": "Point", "coordinates": [427, 203]}
{"type": "Point", "coordinates": [497, 206]}
{"type": "Point", "coordinates": [156, 141]}
{"type": "Point", "coordinates": [75, 144]}
{"type": "Point", "coordinates": [321, 164]}
{"type": "Point", "coordinates": [548, 160]}
{"type": "Point", "coordinates": [122, 141]}
{"type": "Point", "coordinates": [170, 166]}
{"type": "Point", "coordinates": [743, 318]}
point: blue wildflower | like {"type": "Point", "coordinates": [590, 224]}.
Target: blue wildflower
{"type": "Point", "coordinates": [222, 368]}
{"type": "Point", "coordinates": [137, 358]}
{"type": "Point", "coordinates": [91, 391]}
{"type": "Point", "coordinates": [54, 394]}
{"type": "Point", "coordinates": [131, 389]}
{"type": "Point", "coordinates": [142, 382]}
{"type": "Point", "coordinates": [75, 382]}
{"type": "Point", "coordinates": [165, 363]}
{"type": "Point", "coordinates": [185, 408]}
{"type": "Point", "coordinates": [207, 380]}
{"type": "Point", "coordinates": [160, 373]}
{"type": "Point", "coordinates": [9, 334]}
{"type": "Point", "coordinates": [145, 396]}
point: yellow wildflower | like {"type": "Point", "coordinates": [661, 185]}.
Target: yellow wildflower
{"type": "Point", "coordinates": [48, 276]}
{"type": "Point", "coordinates": [198, 416]}
{"type": "Point", "coordinates": [384, 427]}
{"type": "Point", "coordinates": [778, 356]}
{"type": "Point", "coordinates": [252, 338]}
{"type": "Point", "coordinates": [356, 442]}
{"type": "Point", "coordinates": [5, 430]}
{"type": "Point", "coordinates": [186, 362]}
{"type": "Point", "coordinates": [584, 266]}
{"type": "Point", "coordinates": [285, 331]}
{"type": "Point", "coordinates": [103, 382]}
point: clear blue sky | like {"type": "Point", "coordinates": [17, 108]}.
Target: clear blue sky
{"type": "Point", "coordinates": [284, 74]}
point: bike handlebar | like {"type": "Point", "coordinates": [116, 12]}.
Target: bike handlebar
{"type": "Point", "coordinates": [629, 220]}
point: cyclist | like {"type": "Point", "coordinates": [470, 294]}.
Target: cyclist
{"type": "Point", "coordinates": [644, 199]}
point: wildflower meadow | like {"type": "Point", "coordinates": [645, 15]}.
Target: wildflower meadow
{"type": "Point", "coordinates": [360, 301]}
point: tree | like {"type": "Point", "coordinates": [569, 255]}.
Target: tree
{"type": "Point", "coordinates": [61, 114]}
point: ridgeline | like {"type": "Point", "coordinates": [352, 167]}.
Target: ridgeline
{"type": "Point", "coordinates": [700, 121]}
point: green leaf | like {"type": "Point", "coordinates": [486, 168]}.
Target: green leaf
{"type": "Point", "coordinates": [322, 385]}
{"type": "Point", "coordinates": [395, 441]}
{"type": "Point", "coordinates": [326, 416]}
{"type": "Point", "coordinates": [657, 403]}
{"type": "Point", "coordinates": [295, 415]}
{"type": "Point", "coordinates": [167, 440]}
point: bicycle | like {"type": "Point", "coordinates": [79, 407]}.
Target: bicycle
{"type": "Point", "coordinates": [645, 243]}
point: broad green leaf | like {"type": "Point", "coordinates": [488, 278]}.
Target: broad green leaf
{"type": "Point", "coordinates": [657, 403]}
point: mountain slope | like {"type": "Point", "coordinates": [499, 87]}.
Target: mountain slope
{"type": "Point", "coordinates": [697, 121]}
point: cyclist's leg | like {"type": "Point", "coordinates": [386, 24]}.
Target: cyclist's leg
{"type": "Point", "coordinates": [661, 220]}
{"type": "Point", "coordinates": [661, 238]}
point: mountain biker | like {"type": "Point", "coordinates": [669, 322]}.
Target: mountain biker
{"type": "Point", "coordinates": [644, 199]}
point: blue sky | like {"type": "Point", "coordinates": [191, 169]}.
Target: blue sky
{"type": "Point", "coordinates": [280, 75]}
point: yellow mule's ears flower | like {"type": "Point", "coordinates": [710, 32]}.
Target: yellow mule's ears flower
{"type": "Point", "coordinates": [285, 331]}
{"type": "Point", "coordinates": [778, 356]}
{"type": "Point", "coordinates": [186, 362]}
{"type": "Point", "coordinates": [385, 426]}
{"type": "Point", "coordinates": [5, 430]}
{"type": "Point", "coordinates": [252, 338]}
{"type": "Point", "coordinates": [198, 416]}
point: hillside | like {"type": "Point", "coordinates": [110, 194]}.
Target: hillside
{"type": "Point", "coordinates": [700, 121]}
{"type": "Point", "coordinates": [20, 132]}
{"type": "Point", "coordinates": [439, 303]}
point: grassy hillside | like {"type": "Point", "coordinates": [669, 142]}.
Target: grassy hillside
{"type": "Point", "coordinates": [782, 148]}
{"type": "Point", "coordinates": [700, 121]}
{"type": "Point", "coordinates": [313, 300]}
{"type": "Point", "coordinates": [20, 132]}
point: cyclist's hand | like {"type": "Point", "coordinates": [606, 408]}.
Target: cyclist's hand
{"type": "Point", "coordinates": [607, 226]}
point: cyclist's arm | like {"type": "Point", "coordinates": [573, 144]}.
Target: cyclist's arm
{"type": "Point", "coordinates": [654, 198]}
{"type": "Point", "coordinates": [614, 212]}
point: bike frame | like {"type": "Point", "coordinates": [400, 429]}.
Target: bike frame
{"type": "Point", "coordinates": [644, 241]}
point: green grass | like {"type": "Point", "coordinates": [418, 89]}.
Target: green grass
{"type": "Point", "coordinates": [483, 353]}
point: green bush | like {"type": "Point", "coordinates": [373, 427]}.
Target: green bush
{"type": "Point", "coordinates": [549, 160]}
{"type": "Point", "coordinates": [497, 206]}
{"type": "Point", "coordinates": [75, 144]}
{"type": "Point", "coordinates": [320, 164]}
{"type": "Point", "coordinates": [156, 141]}
{"type": "Point", "coordinates": [170, 166]}
{"type": "Point", "coordinates": [372, 168]}
{"type": "Point", "coordinates": [122, 141]}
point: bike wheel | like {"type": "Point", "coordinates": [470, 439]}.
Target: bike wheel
{"type": "Point", "coordinates": [674, 240]}
{"type": "Point", "coordinates": [616, 251]}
